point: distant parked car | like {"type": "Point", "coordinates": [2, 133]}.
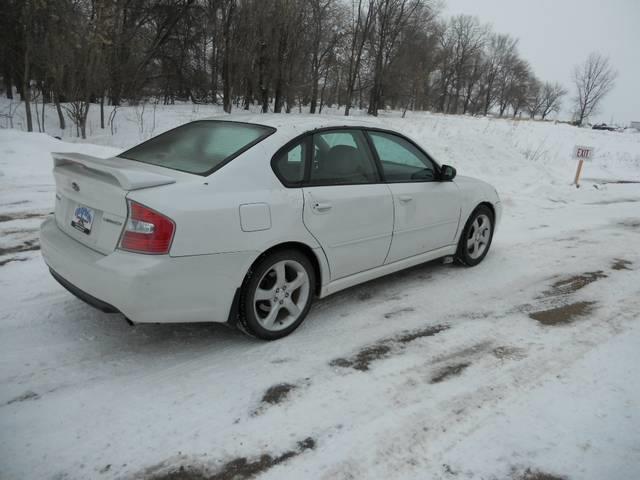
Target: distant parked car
{"type": "Point", "coordinates": [604, 126]}
{"type": "Point", "coordinates": [248, 221]}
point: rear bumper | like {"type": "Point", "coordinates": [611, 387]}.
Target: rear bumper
{"type": "Point", "coordinates": [146, 288]}
{"type": "Point", "coordinates": [84, 296]}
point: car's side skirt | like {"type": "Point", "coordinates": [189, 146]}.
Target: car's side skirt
{"type": "Point", "coordinates": [383, 270]}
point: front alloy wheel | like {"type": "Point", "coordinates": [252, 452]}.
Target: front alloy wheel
{"type": "Point", "coordinates": [277, 294]}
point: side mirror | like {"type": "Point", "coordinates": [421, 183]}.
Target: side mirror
{"type": "Point", "coordinates": [447, 173]}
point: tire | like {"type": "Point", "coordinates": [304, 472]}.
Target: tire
{"type": "Point", "coordinates": [476, 237]}
{"type": "Point", "coordinates": [276, 295]}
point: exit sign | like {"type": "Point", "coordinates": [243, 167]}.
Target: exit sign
{"type": "Point", "coordinates": [580, 152]}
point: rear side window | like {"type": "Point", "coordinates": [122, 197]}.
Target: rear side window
{"type": "Point", "coordinates": [199, 147]}
{"type": "Point", "coordinates": [289, 165]}
{"type": "Point", "coordinates": [341, 158]}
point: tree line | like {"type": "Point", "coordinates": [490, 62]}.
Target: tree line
{"type": "Point", "coordinates": [280, 55]}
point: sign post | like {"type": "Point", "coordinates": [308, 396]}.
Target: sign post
{"type": "Point", "coordinates": [582, 154]}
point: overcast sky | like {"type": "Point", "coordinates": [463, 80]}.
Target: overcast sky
{"type": "Point", "coordinates": [557, 34]}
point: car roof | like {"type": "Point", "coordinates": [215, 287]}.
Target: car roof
{"type": "Point", "coordinates": [290, 126]}
{"type": "Point", "coordinates": [295, 123]}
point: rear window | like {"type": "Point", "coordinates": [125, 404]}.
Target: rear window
{"type": "Point", "coordinates": [199, 147]}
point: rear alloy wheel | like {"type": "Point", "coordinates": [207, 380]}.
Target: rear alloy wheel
{"type": "Point", "coordinates": [476, 237]}
{"type": "Point", "coordinates": [277, 295]}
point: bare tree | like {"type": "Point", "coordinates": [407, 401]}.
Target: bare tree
{"type": "Point", "coordinates": [535, 99]}
{"type": "Point", "coordinates": [392, 17]}
{"type": "Point", "coordinates": [519, 86]}
{"type": "Point", "coordinates": [500, 51]}
{"type": "Point", "coordinates": [279, 54]}
{"type": "Point", "coordinates": [593, 80]}
{"type": "Point", "coordinates": [467, 40]}
{"type": "Point", "coordinates": [323, 40]}
{"type": "Point", "coordinates": [228, 12]}
{"type": "Point", "coordinates": [360, 28]}
{"type": "Point", "coordinates": [552, 94]}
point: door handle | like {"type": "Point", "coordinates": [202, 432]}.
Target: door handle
{"type": "Point", "coordinates": [404, 198]}
{"type": "Point", "coordinates": [322, 206]}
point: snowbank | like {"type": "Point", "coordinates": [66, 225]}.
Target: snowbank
{"type": "Point", "coordinates": [527, 361]}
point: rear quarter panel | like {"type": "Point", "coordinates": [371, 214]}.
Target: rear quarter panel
{"type": "Point", "coordinates": [207, 213]}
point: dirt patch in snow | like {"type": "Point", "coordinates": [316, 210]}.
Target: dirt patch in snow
{"type": "Point", "coordinates": [563, 314]}
{"type": "Point", "coordinates": [27, 246]}
{"type": "Point", "coordinates": [25, 396]}
{"type": "Point", "coordinates": [529, 474]}
{"type": "Point", "coordinates": [421, 333]}
{"type": "Point", "coordinates": [633, 224]}
{"type": "Point", "coordinates": [21, 216]}
{"type": "Point", "coordinates": [277, 393]}
{"type": "Point", "coordinates": [363, 358]}
{"type": "Point", "coordinates": [395, 313]}
{"type": "Point", "coordinates": [384, 348]}
{"type": "Point", "coordinates": [365, 296]}
{"type": "Point", "coordinates": [237, 469]}
{"type": "Point", "coordinates": [19, 202]}
{"type": "Point", "coordinates": [18, 231]}
{"type": "Point", "coordinates": [573, 284]}
{"type": "Point", "coordinates": [14, 259]}
{"type": "Point", "coordinates": [504, 352]}
{"type": "Point", "coordinates": [621, 264]}
{"type": "Point", "coordinates": [612, 202]}
{"type": "Point", "coordinates": [449, 371]}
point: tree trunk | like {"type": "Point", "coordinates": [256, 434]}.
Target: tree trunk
{"type": "Point", "coordinates": [314, 95]}
{"type": "Point", "coordinates": [582, 114]}
{"type": "Point", "coordinates": [83, 121]}
{"type": "Point", "coordinates": [26, 90]}
{"type": "Point", "coordinates": [248, 94]}
{"type": "Point", "coordinates": [277, 101]}
{"type": "Point", "coordinates": [347, 106]}
{"type": "Point", "coordinates": [376, 90]}
{"type": "Point", "coordinates": [102, 111]}
{"type": "Point", "coordinates": [8, 82]}
{"type": "Point", "coordinates": [43, 102]}
{"type": "Point", "coordinates": [226, 61]}
{"type": "Point", "coordinates": [487, 99]}
{"type": "Point", "coordinates": [56, 100]}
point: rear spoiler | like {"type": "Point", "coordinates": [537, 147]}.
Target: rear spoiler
{"type": "Point", "coordinates": [129, 178]}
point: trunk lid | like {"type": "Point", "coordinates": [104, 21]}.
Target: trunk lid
{"type": "Point", "coordinates": [91, 192]}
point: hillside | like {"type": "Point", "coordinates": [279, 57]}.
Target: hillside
{"type": "Point", "coordinates": [465, 372]}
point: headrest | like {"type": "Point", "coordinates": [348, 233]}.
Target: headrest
{"type": "Point", "coordinates": [342, 160]}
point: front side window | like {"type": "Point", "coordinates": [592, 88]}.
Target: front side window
{"type": "Point", "coordinates": [401, 160]}
{"type": "Point", "coordinates": [198, 147]}
{"type": "Point", "coordinates": [341, 157]}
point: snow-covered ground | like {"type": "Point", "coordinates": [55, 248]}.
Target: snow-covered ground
{"type": "Point", "coordinates": [525, 365]}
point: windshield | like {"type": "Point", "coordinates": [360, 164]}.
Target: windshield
{"type": "Point", "coordinates": [199, 147]}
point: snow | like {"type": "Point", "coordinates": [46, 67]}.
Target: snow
{"type": "Point", "coordinates": [83, 395]}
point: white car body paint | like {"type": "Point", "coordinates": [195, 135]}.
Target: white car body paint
{"type": "Point", "coordinates": [225, 221]}
{"type": "Point", "coordinates": [353, 224]}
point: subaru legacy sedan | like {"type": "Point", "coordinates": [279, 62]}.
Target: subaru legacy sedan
{"type": "Point", "coordinates": [247, 219]}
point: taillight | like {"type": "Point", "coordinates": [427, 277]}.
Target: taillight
{"type": "Point", "coordinates": [147, 231]}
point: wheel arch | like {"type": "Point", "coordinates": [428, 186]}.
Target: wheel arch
{"type": "Point", "coordinates": [487, 204]}
{"type": "Point", "coordinates": [307, 251]}
{"type": "Point", "coordinates": [467, 216]}
{"type": "Point", "coordinates": [301, 247]}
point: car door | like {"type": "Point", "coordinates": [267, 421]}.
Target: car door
{"type": "Point", "coordinates": [346, 207]}
{"type": "Point", "coordinates": [427, 211]}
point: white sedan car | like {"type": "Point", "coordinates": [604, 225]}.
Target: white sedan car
{"type": "Point", "coordinates": [246, 220]}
